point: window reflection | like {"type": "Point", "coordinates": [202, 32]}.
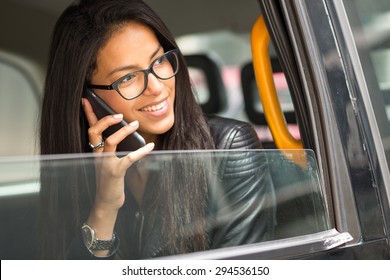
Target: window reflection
{"type": "Point", "coordinates": [251, 196]}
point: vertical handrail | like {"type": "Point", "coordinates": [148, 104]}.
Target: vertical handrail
{"type": "Point", "coordinates": [263, 72]}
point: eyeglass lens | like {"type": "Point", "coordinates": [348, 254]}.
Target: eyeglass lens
{"type": "Point", "coordinates": [164, 67]}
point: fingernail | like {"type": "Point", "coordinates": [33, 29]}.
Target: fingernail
{"type": "Point", "coordinates": [118, 116]}
{"type": "Point", "coordinates": [82, 102]}
{"type": "Point", "coordinates": [149, 146]}
{"type": "Point", "coordinates": [134, 123]}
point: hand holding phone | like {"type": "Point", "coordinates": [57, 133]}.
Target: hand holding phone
{"type": "Point", "coordinates": [132, 142]}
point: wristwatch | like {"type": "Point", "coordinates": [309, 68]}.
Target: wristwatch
{"type": "Point", "coordinates": [92, 242]}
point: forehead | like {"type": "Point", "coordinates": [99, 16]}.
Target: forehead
{"type": "Point", "coordinates": [130, 42]}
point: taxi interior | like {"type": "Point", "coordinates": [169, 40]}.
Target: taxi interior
{"type": "Point", "coordinates": [216, 39]}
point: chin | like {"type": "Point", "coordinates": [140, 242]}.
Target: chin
{"type": "Point", "coordinates": [166, 126]}
{"type": "Point", "coordinates": [160, 127]}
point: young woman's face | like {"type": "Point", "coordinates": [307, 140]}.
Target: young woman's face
{"type": "Point", "coordinates": [131, 48]}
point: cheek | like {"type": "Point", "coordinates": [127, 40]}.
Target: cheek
{"type": "Point", "coordinates": [120, 105]}
{"type": "Point", "coordinates": [172, 89]}
{"type": "Point", "coordinates": [129, 112]}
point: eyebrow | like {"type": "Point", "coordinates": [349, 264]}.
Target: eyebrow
{"type": "Point", "coordinates": [128, 67]}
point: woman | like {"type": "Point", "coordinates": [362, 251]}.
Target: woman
{"type": "Point", "coordinates": [103, 46]}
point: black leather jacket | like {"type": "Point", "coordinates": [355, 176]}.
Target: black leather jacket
{"type": "Point", "coordinates": [242, 212]}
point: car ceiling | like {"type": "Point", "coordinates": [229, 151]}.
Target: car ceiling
{"type": "Point", "coordinates": [26, 25]}
{"type": "Point", "coordinates": [201, 15]}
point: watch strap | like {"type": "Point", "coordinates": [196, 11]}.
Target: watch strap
{"type": "Point", "coordinates": [94, 243]}
{"type": "Point", "coordinates": [103, 244]}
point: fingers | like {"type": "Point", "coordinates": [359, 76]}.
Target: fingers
{"type": "Point", "coordinates": [132, 157]}
{"type": "Point", "coordinates": [91, 117]}
{"type": "Point", "coordinates": [95, 132]}
{"type": "Point", "coordinates": [97, 127]}
{"type": "Point", "coordinates": [114, 139]}
{"type": "Point", "coordinates": [118, 166]}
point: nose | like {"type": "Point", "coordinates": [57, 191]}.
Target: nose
{"type": "Point", "coordinates": [154, 86]}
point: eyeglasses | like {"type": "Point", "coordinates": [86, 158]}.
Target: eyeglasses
{"type": "Point", "coordinates": [134, 84]}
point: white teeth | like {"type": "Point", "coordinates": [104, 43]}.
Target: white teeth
{"type": "Point", "coordinates": [154, 107]}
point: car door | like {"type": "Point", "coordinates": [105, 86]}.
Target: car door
{"type": "Point", "coordinates": [340, 118]}
{"type": "Point", "coordinates": [318, 47]}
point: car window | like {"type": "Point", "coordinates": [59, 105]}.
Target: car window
{"type": "Point", "coordinates": [370, 22]}
{"type": "Point", "coordinates": [232, 53]}
{"type": "Point", "coordinates": [254, 107]}
{"type": "Point", "coordinates": [266, 194]}
{"type": "Point", "coordinates": [207, 80]}
{"type": "Point", "coordinates": [18, 89]}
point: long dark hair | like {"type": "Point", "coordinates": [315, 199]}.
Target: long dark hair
{"type": "Point", "coordinates": [79, 34]}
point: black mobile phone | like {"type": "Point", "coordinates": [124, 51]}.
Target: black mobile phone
{"type": "Point", "coordinates": [132, 142]}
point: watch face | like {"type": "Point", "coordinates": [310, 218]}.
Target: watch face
{"type": "Point", "coordinates": [88, 235]}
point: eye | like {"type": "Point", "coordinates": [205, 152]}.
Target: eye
{"type": "Point", "coordinates": [128, 80]}
{"type": "Point", "coordinates": [160, 61]}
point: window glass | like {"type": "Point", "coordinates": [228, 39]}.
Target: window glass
{"type": "Point", "coordinates": [234, 53]}
{"type": "Point", "coordinates": [231, 50]}
{"type": "Point", "coordinates": [370, 21]}
{"type": "Point", "coordinates": [199, 79]}
{"type": "Point", "coordinates": [19, 111]}
{"type": "Point", "coordinates": [248, 196]}
{"type": "Point", "coordinates": [286, 104]}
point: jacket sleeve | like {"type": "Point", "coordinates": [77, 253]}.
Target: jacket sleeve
{"type": "Point", "coordinates": [242, 199]}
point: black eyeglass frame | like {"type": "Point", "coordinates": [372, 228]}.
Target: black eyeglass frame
{"type": "Point", "coordinates": [114, 85]}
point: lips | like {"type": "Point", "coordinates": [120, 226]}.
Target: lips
{"type": "Point", "coordinates": [155, 107]}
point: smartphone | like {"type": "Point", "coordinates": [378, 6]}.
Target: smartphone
{"type": "Point", "coordinates": [132, 142]}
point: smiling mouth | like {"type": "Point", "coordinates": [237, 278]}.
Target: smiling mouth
{"type": "Point", "coordinates": [154, 108]}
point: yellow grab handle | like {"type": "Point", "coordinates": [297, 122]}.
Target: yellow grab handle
{"type": "Point", "coordinates": [263, 72]}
